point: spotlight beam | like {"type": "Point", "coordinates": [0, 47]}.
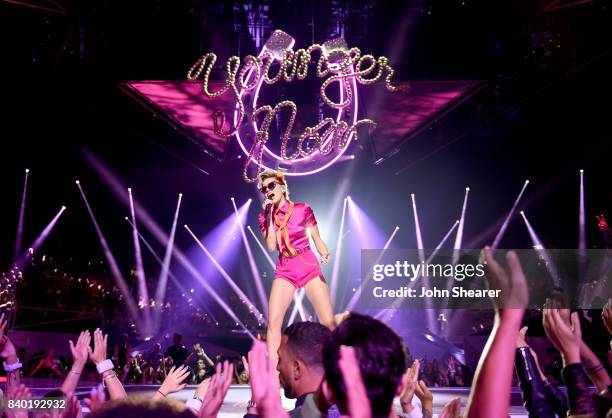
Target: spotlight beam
{"type": "Point", "coordinates": [539, 246]}
{"type": "Point", "coordinates": [172, 276]}
{"type": "Point", "coordinates": [459, 237]}
{"type": "Point", "coordinates": [110, 259]}
{"type": "Point", "coordinates": [143, 292]}
{"type": "Point", "coordinates": [336, 268]}
{"type": "Point", "coordinates": [20, 221]}
{"type": "Point", "coordinates": [162, 282]}
{"type": "Point", "coordinates": [504, 226]}
{"type": "Point", "coordinates": [261, 293]}
{"type": "Point", "coordinates": [297, 296]}
{"type": "Point", "coordinates": [21, 261]}
{"type": "Point", "coordinates": [160, 235]}
{"type": "Point", "coordinates": [221, 270]}
{"type": "Point", "coordinates": [417, 228]}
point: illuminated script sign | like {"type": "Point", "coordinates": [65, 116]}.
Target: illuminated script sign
{"type": "Point", "coordinates": [316, 147]}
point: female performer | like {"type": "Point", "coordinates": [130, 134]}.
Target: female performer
{"type": "Point", "coordinates": [283, 224]}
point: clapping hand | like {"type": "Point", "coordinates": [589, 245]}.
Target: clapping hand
{"type": "Point", "coordinates": [80, 351]}
{"type": "Point", "coordinates": [565, 337]}
{"type": "Point", "coordinates": [217, 389]}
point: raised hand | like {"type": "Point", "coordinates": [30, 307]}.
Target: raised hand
{"type": "Point", "coordinates": [99, 352]}
{"type": "Point", "coordinates": [264, 383]}
{"type": "Point", "coordinates": [452, 409]}
{"type": "Point", "coordinates": [80, 351]}
{"type": "Point", "coordinates": [96, 398]}
{"type": "Point", "coordinates": [425, 396]}
{"type": "Point", "coordinates": [174, 381]}
{"type": "Point", "coordinates": [520, 340]}
{"type": "Point", "coordinates": [566, 339]}
{"type": "Point", "coordinates": [20, 391]}
{"type": "Point", "coordinates": [606, 315]}
{"type": "Point", "coordinates": [73, 408]}
{"type": "Point", "coordinates": [512, 283]}
{"type": "Point", "coordinates": [357, 400]}
{"type": "Point", "coordinates": [217, 389]}
{"type": "Point", "coordinates": [7, 349]}
{"type": "Point", "coordinates": [410, 379]}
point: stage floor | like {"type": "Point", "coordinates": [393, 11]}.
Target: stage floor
{"type": "Point", "coordinates": [236, 400]}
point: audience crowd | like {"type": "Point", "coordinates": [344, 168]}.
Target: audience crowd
{"type": "Point", "coordinates": [360, 369]}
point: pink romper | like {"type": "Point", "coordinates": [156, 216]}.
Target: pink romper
{"type": "Point", "coordinates": [303, 266]}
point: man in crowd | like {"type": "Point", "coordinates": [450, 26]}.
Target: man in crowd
{"type": "Point", "coordinates": [382, 361]}
{"type": "Point", "coordinates": [300, 365]}
{"type": "Point", "coordinates": [178, 352]}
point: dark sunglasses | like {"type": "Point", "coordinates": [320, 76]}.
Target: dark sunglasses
{"type": "Point", "coordinates": [269, 187]}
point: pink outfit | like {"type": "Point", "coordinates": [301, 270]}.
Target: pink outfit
{"type": "Point", "coordinates": [304, 265]}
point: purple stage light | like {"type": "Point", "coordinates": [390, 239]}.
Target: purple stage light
{"type": "Point", "coordinates": [116, 272]}
{"type": "Point", "coordinates": [19, 237]}
{"type": "Point", "coordinates": [118, 189]}
{"type": "Point", "coordinates": [502, 230]}
{"type": "Point", "coordinates": [224, 274]}
{"type": "Point", "coordinates": [143, 292]}
{"type": "Point", "coordinates": [368, 233]}
{"type": "Point", "coordinates": [21, 261]}
{"type": "Point", "coordinates": [459, 236]}
{"type": "Point", "coordinates": [261, 293]}
{"type": "Point", "coordinates": [539, 247]}
{"type": "Point", "coordinates": [160, 293]}
{"type": "Point", "coordinates": [417, 229]}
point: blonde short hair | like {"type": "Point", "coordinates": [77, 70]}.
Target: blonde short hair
{"type": "Point", "coordinates": [278, 175]}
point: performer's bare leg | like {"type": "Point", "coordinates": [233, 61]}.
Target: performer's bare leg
{"type": "Point", "coordinates": [318, 295]}
{"type": "Point", "coordinates": [280, 298]}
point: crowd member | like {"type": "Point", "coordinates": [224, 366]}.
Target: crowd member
{"type": "Point", "coordinates": [177, 351]}
{"type": "Point", "coordinates": [382, 360]}
{"type": "Point", "coordinates": [122, 352]}
{"type": "Point", "coordinates": [154, 361]}
{"type": "Point", "coordinates": [300, 366]}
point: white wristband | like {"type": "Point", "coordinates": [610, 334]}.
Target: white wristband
{"type": "Point", "coordinates": [104, 366]}
{"type": "Point", "coordinates": [12, 367]}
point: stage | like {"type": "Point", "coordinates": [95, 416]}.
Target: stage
{"type": "Point", "coordinates": [236, 400]}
